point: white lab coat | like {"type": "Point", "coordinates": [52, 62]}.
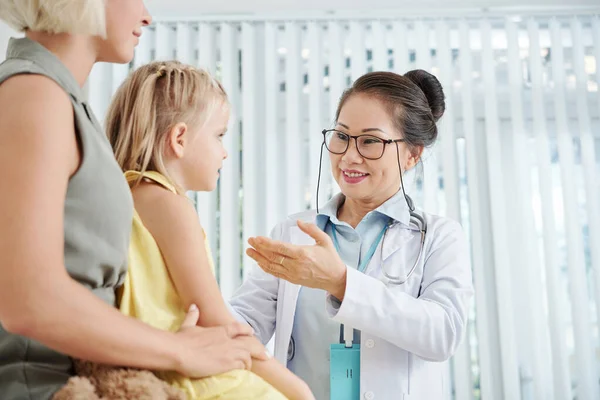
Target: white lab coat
{"type": "Point", "coordinates": [408, 330]}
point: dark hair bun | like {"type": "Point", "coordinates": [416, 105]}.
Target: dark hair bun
{"type": "Point", "coordinates": [432, 88]}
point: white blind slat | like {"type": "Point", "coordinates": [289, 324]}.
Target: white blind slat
{"type": "Point", "coordinates": [119, 74]}
{"type": "Point", "coordinates": [206, 202]}
{"type": "Point", "coordinates": [596, 43]}
{"type": "Point", "coordinates": [562, 381]}
{"type": "Point", "coordinates": [315, 114]}
{"type": "Point", "coordinates": [251, 143]}
{"type": "Point", "coordinates": [588, 153]}
{"type": "Point", "coordinates": [528, 306]}
{"type": "Point", "coordinates": [401, 61]}
{"type": "Point", "coordinates": [379, 45]}
{"type": "Point", "coordinates": [163, 42]}
{"type": "Point", "coordinates": [447, 134]}
{"type": "Point", "coordinates": [183, 42]}
{"type": "Point", "coordinates": [463, 384]}
{"type": "Point", "coordinates": [206, 47]}
{"type": "Point", "coordinates": [430, 155]}
{"type": "Point", "coordinates": [587, 387]}
{"type": "Point", "coordinates": [358, 63]}
{"type": "Point", "coordinates": [525, 237]}
{"type": "Point", "coordinates": [144, 48]}
{"type": "Point", "coordinates": [337, 83]}
{"type": "Point", "coordinates": [294, 136]}
{"type": "Point", "coordinates": [510, 367]}
{"type": "Point", "coordinates": [229, 212]}
{"type": "Point", "coordinates": [274, 204]}
{"type": "Point", "coordinates": [99, 93]}
{"type": "Point", "coordinates": [477, 256]}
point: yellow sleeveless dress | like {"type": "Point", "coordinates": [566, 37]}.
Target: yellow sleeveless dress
{"type": "Point", "coordinates": [149, 295]}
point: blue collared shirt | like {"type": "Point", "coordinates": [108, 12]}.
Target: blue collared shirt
{"type": "Point", "coordinates": [313, 331]}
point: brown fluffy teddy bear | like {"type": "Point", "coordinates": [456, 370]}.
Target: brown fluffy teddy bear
{"type": "Point", "coordinates": [101, 382]}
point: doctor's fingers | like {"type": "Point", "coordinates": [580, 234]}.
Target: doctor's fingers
{"type": "Point", "coordinates": [276, 258]}
{"type": "Point", "coordinates": [274, 269]}
{"type": "Point", "coordinates": [264, 245]}
{"type": "Point", "coordinates": [268, 266]}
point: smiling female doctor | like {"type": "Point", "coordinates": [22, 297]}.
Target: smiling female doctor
{"type": "Point", "coordinates": [366, 297]}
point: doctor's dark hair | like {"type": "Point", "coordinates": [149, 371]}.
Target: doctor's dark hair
{"type": "Point", "coordinates": [414, 101]}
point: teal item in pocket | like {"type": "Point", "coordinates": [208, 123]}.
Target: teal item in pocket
{"type": "Point", "coordinates": [344, 372]}
{"type": "Point", "coordinates": [344, 364]}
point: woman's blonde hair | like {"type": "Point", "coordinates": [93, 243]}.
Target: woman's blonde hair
{"type": "Point", "coordinates": [56, 16]}
{"type": "Point", "coordinates": [151, 101]}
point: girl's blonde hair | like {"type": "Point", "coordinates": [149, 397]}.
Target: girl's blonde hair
{"type": "Point", "coordinates": [151, 101]}
{"type": "Point", "coordinates": [56, 16]}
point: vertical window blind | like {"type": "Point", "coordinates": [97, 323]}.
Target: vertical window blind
{"type": "Point", "coordinates": [517, 163]}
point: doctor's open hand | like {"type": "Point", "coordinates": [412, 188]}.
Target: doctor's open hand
{"type": "Point", "coordinates": [317, 266]}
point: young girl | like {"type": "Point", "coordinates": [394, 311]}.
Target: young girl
{"type": "Point", "coordinates": [166, 125]}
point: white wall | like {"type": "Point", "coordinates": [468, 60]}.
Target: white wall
{"type": "Point", "coordinates": [5, 33]}
{"type": "Point", "coordinates": [196, 8]}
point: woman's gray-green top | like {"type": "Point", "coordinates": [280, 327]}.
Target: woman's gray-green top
{"type": "Point", "coordinates": [97, 222]}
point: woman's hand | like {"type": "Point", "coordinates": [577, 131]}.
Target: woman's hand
{"type": "Point", "coordinates": [318, 266]}
{"type": "Point", "coordinates": [211, 351]}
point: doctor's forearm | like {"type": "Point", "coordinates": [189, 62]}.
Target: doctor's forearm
{"type": "Point", "coordinates": [428, 328]}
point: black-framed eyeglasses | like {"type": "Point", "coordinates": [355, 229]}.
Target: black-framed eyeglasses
{"type": "Point", "coordinates": [369, 146]}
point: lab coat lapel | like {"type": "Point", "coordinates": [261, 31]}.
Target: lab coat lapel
{"type": "Point", "coordinates": [396, 237]}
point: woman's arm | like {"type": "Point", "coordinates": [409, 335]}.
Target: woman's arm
{"type": "Point", "coordinates": [38, 299]}
{"type": "Point", "coordinates": [165, 213]}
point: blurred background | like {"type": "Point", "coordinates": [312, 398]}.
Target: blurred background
{"type": "Point", "coordinates": [517, 161]}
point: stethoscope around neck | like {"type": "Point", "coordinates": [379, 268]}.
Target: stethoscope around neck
{"type": "Point", "coordinates": [415, 219]}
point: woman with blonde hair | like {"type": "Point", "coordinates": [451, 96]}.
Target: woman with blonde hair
{"type": "Point", "coordinates": [66, 211]}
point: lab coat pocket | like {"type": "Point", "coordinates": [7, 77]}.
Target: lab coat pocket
{"type": "Point", "coordinates": [426, 379]}
{"type": "Point", "coordinates": [405, 375]}
{"type": "Point", "coordinates": [408, 374]}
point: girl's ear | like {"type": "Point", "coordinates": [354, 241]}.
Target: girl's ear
{"type": "Point", "coordinates": [177, 139]}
